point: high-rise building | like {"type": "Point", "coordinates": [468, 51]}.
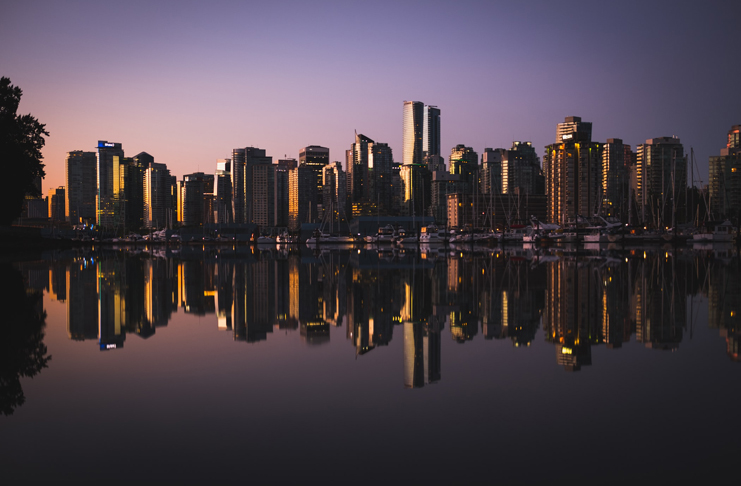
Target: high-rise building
{"type": "Point", "coordinates": [56, 200]}
{"type": "Point", "coordinates": [104, 198]}
{"type": "Point", "coordinates": [157, 197]}
{"type": "Point", "coordinates": [573, 124]}
{"type": "Point", "coordinates": [725, 178]}
{"type": "Point", "coordinates": [197, 198]}
{"type": "Point", "coordinates": [521, 173]}
{"type": "Point", "coordinates": [263, 195]}
{"type": "Point", "coordinates": [370, 174]}
{"type": "Point", "coordinates": [334, 192]}
{"type": "Point", "coordinates": [128, 197]}
{"type": "Point", "coordinates": [316, 158]}
{"type": "Point", "coordinates": [417, 189]}
{"type": "Point", "coordinates": [81, 186]}
{"type": "Point", "coordinates": [421, 135]}
{"type": "Point", "coordinates": [301, 194]}
{"type": "Point", "coordinates": [465, 162]}
{"type": "Point", "coordinates": [413, 134]}
{"type": "Point", "coordinates": [431, 131]}
{"type": "Point", "coordinates": [661, 179]}
{"type": "Point", "coordinates": [491, 170]}
{"type": "Point", "coordinates": [617, 163]}
{"type": "Point", "coordinates": [573, 174]}
{"type": "Point", "coordinates": [223, 192]}
{"type": "Point", "coordinates": [243, 159]}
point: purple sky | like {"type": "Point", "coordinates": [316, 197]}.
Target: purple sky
{"type": "Point", "coordinates": [189, 81]}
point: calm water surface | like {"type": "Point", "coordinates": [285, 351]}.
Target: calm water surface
{"type": "Point", "coordinates": [365, 366]}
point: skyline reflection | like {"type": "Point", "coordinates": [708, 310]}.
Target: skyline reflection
{"type": "Point", "coordinates": [575, 302]}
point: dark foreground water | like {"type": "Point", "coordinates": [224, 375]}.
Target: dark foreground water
{"type": "Point", "coordinates": [355, 367]}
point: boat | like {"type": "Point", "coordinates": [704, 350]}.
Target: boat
{"type": "Point", "coordinates": [515, 233]}
{"type": "Point", "coordinates": [385, 234]}
{"type": "Point", "coordinates": [721, 233]}
{"type": "Point", "coordinates": [432, 235]}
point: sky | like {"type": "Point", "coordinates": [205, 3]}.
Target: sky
{"type": "Point", "coordinates": [189, 81]}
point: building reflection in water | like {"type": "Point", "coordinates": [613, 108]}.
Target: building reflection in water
{"type": "Point", "coordinates": [579, 302]}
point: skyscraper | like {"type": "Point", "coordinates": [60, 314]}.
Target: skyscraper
{"type": "Point", "coordinates": [431, 136]}
{"type": "Point", "coordinates": [81, 190]}
{"type": "Point", "coordinates": [157, 196]}
{"type": "Point", "coordinates": [413, 132]}
{"type": "Point", "coordinates": [243, 159]}
{"type": "Point", "coordinates": [315, 158]}
{"type": "Point", "coordinates": [104, 200]}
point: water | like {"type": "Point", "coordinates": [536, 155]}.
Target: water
{"type": "Point", "coordinates": [360, 366]}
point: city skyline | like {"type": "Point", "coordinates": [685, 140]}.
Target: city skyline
{"type": "Point", "coordinates": [168, 84]}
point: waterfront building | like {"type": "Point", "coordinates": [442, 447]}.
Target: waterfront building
{"type": "Point", "coordinates": [316, 158]}
{"type": "Point", "coordinates": [197, 198]}
{"type": "Point", "coordinates": [281, 191]}
{"type": "Point", "coordinates": [431, 131]}
{"type": "Point", "coordinates": [243, 160]}
{"type": "Point", "coordinates": [661, 181]}
{"type": "Point", "coordinates": [617, 162]}
{"type": "Point", "coordinates": [573, 173]}
{"type": "Point", "coordinates": [223, 192]}
{"type": "Point", "coordinates": [263, 195]}
{"type": "Point", "coordinates": [464, 161]}
{"type": "Point", "coordinates": [413, 134]}
{"type": "Point", "coordinates": [725, 178]}
{"type": "Point", "coordinates": [416, 181]}
{"type": "Point", "coordinates": [56, 199]}
{"type": "Point", "coordinates": [81, 174]}
{"type": "Point", "coordinates": [157, 196]}
{"type": "Point", "coordinates": [105, 174]}
{"type": "Point", "coordinates": [370, 175]}
{"type": "Point", "coordinates": [491, 170]}
{"type": "Point", "coordinates": [334, 192]}
{"type": "Point", "coordinates": [442, 184]}
{"type": "Point", "coordinates": [301, 197]}
{"type": "Point", "coordinates": [128, 197]}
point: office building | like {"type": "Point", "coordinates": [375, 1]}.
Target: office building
{"type": "Point", "coordinates": [431, 131]}
{"type": "Point", "coordinates": [243, 159]}
{"type": "Point", "coordinates": [128, 197]}
{"type": "Point", "coordinates": [334, 193]}
{"type": "Point", "coordinates": [158, 197]}
{"type": "Point", "coordinates": [104, 199]}
{"type": "Point", "coordinates": [81, 174]}
{"type": "Point", "coordinates": [263, 195]}
{"type": "Point", "coordinates": [315, 158]}
{"type": "Point", "coordinates": [301, 197]}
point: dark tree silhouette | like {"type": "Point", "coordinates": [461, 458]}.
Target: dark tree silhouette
{"type": "Point", "coordinates": [22, 349]}
{"type": "Point", "coordinates": [21, 141]}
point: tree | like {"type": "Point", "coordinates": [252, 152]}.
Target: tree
{"type": "Point", "coordinates": [21, 141]}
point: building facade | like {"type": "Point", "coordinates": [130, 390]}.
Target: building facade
{"type": "Point", "coordinates": [81, 171]}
